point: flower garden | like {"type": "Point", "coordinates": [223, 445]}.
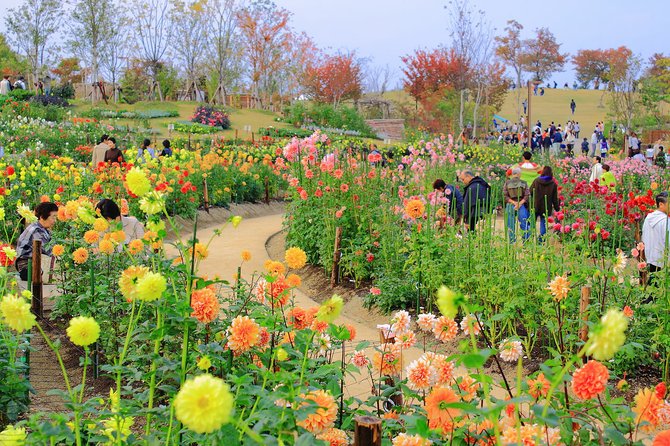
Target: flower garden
{"type": "Point", "coordinates": [487, 342]}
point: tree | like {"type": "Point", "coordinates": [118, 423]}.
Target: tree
{"type": "Point", "coordinates": [265, 36]}
{"type": "Point", "coordinates": [190, 23]}
{"type": "Point", "coordinates": [152, 18]}
{"type": "Point", "coordinates": [624, 75]}
{"type": "Point", "coordinates": [223, 50]}
{"type": "Point", "coordinates": [541, 56]}
{"type": "Point", "coordinates": [508, 49]}
{"type": "Point", "coordinates": [377, 79]}
{"type": "Point", "coordinates": [471, 36]}
{"type": "Point", "coordinates": [591, 66]}
{"type": "Point", "coordinates": [114, 53]}
{"type": "Point", "coordinates": [30, 28]}
{"type": "Point", "coordinates": [427, 72]}
{"type": "Point", "coordinates": [68, 71]}
{"type": "Point", "coordinates": [91, 28]}
{"type": "Point", "coordinates": [11, 63]}
{"type": "Point", "coordinates": [334, 79]}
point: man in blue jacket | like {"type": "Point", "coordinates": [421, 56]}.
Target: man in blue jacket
{"type": "Point", "coordinates": [455, 209]}
{"type": "Point", "coordinates": [475, 198]}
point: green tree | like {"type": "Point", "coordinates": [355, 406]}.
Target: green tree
{"type": "Point", "coordinates": [10, 62]}
{"type": "Point", "coordinates": [31, 28]}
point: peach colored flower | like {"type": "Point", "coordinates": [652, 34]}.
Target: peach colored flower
{"type": "Point", "coordinates": [426, 322]}
{"type": "Point", "coordinates": [359, 359]}
{"type": "Point", "coordinates": [205, 305]}
{"type": "Point", "coordinates": [440, 417]}
{"type": "Point", "coordinates": [470, 321]}
{"type": "Point", "coordinates": [590, 381]}
{"type": "Point", "coordinates": [400, 322]}
{"type": "Point", "coordinates": [559, 288]}
{"type": "Point", "coordinates": [647, 406]}
{"type": "Point", "coordinates": [387, 362]}
{"type": "Point", "coordinates": [539, 386]}
{"type": "Point", "coordinates": [510, 350]}
{"type": "Point", "coordinates": [420, 376]}
{"type": "Point", "coordinates": [334, 437]}
{"type": "Point", "coordinates": [410, 440]}
{"type": "Point", "coordinates": [405, 340]}
{"type": "Point", "coordinates": [444, 369]}
{"type": "Point", "coordinates": [445, 329]}
{"type": "Point", "coordinates": [325, 414]}
{"type": "Point", "coordinates": [243, 334]}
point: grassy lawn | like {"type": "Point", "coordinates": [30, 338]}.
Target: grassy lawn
{"type": "Point", "coordinates": [555, 106]}
{"type": "Point", "coordinates": [239, 118]}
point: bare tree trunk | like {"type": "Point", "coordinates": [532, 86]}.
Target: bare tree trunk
{"type": "Point", "coordinates": [460, 113]}
{"type": "Point", "coordinates": [478, 99]}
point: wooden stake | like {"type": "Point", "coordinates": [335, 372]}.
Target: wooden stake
{"type": "Point", "coordinates": [335, 273]}
{"type": "Point", "coordinates": [37, 305]}
{"type": "Point", "coordinates": [367, 431]}
{"type": "Point", "coordinates": [205, 191]}
{"type": "Point", "coordinates": [267, 190]}
{"type": "Point", "coordinates": [583, 312]}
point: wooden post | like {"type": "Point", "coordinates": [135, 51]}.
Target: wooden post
{"type": "Point", "coordinates": [205, 194]}
{"type": "Point", "coordinates": [583, 312]}
{"type": "Point", "coordinates": [236, 136]}
{"type": "Point", "coordinates": [267, 190]}
{"type": "Point", "coordinates": [335, 273]}
{"type": "Point", "coordinates": [252, 137]}
{"type": "Point", "coordinates": [367, 431]}
{"type": "Point", "coordinates": [37, 305]}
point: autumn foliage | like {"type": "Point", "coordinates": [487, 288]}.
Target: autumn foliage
{"type": "Point", "coordinates": [334, 79]}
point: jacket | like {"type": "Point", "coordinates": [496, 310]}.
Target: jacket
{"type": "Point", "coordinates": [544, 192]}
{"type": "Point", "coordinates": [475, 198]}
{"type": "Point", "coordinates": [654, 236]}
{"type": "Point", "coordinates": [455, 200]}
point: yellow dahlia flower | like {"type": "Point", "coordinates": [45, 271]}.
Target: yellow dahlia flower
{"type": "Point", "coordinates": [295, 258]}
{"type": "Point", "coordinates": [608, 336]}
{"type": "Point", "coordinates": [13, 436]}
{"type": "Point", "coordinates": [137, 182]}
{"type": "Point", "coordinates": [16, 313]}
{"type": "Point", "coordinates": [151, 287]}
{"type": "Point", "coordinates": [204, 403]}
{"type": "Point", "coordinates": [330, 309]}
{"type": "Point", "coordinates": [83, 331]}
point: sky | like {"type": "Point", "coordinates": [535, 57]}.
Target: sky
{"type": "Point", "coordinates": [385, 30]}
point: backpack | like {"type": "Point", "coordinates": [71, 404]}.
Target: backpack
{"type": "Point", "coordinates": [516, 188]}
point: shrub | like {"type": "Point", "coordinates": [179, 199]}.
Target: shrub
{"type": "Point", "coordinates": [21, 95]}
{"type": "Point", "coordinates": [65, 91]}
{"type": "Point", "coordinates": [211, 116]}
{"type": "Point", "coordinates": [337, 120]}
{"type": "Point", "coordinates": [45, 100]}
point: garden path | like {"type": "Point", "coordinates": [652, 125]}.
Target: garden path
{"type": "Point", "coordinates": [251, 235]}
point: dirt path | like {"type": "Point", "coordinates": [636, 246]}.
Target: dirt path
{"type": "Point", "coordinates": [251, 235]}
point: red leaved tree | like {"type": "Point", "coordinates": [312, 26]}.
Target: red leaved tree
{"type": "Point", "coordinates": [590, 66]}
{"type": "Point", "coordinates": [334, 78]}
{"type": "Point", "coordinates": [541, 55]}
{"type": "Point", "coordinates": [427, 72]}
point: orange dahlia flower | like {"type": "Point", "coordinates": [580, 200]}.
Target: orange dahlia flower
{"type": "Point", "coordinates": [325, 414]}
{"type": "Point", "coordinates": [590, 381]}
{"type": "Point", "coordinates": [440, 417]}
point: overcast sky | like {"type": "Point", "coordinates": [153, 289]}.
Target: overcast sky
{"type": "Point", "coordinates": [384, 30]}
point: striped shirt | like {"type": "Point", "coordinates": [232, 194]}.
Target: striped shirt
{"type": "Point", "coordinates": [34, 231]}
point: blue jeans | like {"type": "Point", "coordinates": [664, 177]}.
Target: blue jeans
{"type": "Point", "coordinates": [543, 227]}
{"type": "Point", "coordinates": [522, 214]}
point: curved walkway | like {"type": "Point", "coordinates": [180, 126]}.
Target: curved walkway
{"type": "Point", "coordinates": [251, 235]}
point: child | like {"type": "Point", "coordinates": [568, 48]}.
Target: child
{"type": "Point", "coordinates": [585, 147]}
{"type": "Point", "coordinates": [604, 147]}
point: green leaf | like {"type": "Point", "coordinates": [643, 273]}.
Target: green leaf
{"type": "Point", "coordinates": [476, 360]}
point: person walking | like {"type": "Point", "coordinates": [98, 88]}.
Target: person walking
{"type": "Point", "coordinates": [516, 195]}
{"type": "Point", "coordinates": [47, 214]}
{"type": "Point", "coordinates": [655, 235]}
{"type": "Point", "coordinates": [98, 154]}
{"type": "Point", "coordinates": [585, 147]}
{"type": "Point", "coordinates": [594, 143]}
{"type": "Point", "coordinates": [596, 170]}
{"type": "Point", "coordinates": [475, 198]}
{"type": "Point", "coordinates": [556, 141]}
{"type": "Point", "coordinates": [544, 196]}
{"type": "Point", "coordinates": [576, 128]}
{"type": "Point", "coordinates": [525, 105]}
{"type": "Point", "coordinates": [573, 106]}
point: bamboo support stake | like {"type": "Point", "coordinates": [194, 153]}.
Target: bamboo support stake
{"type": "Point", "coordinates": [205, 191]}
{"type": "Point", "coordinates": [335, 273]}
{"type": "Point", "coordinates": [583, 312]}
{"type": "Point", "coordinates": [37, 305]}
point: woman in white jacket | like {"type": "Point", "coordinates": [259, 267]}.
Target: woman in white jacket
{"type": "Point", "coordinates": [596, 170]}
